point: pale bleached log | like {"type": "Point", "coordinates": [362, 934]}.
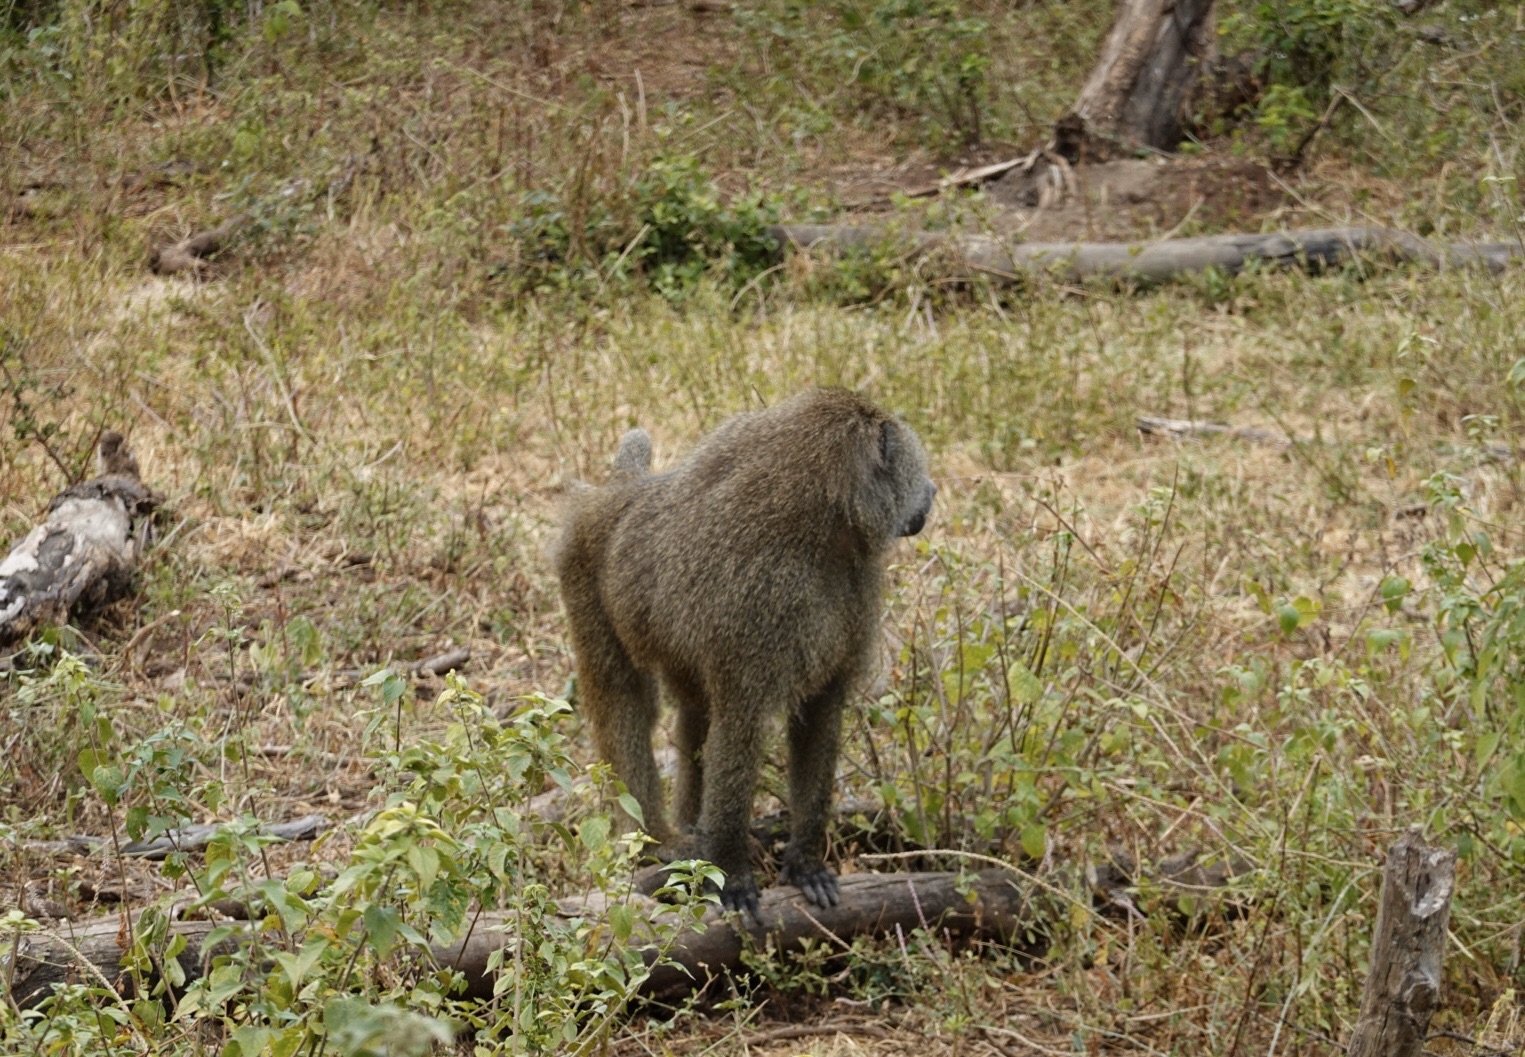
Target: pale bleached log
{"type": "Point", "coordinates": [1151, 262]}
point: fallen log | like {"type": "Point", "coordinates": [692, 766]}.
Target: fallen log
{"type": "Point", "coordinates": [988, 904]}
{"type": "Point", "coordinates": [82, 556]}
{"type": "Point", "coordinates": [1181, 428]}
{"type": "Point", "coordinates": [1403, 984]}
{"type": "Point", "coordinates": [186, 838]}
{"type": "Point", "coordinates": [1151, 262]}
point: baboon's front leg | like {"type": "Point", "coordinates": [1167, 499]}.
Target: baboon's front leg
{"type": "Point", "coordinates": [815, 730]}
{"type": "Point", "coordinates": [732, 759]}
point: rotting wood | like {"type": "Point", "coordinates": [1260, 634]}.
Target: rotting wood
{"type": "Point", "coordinates": [1138, 89]}
{"type": "Point", "coordinates": [195, 253]}
{"type": "Point", "coordinates": [1149, 262]}
{"type": "Point", "coordinates": [988, 904]}
{"type": "Point", "coordinates": [82, 556]}
{"type": "Point", "coordinates": [1408, 945]}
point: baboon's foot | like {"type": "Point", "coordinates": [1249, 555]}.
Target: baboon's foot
{"type": "Point", "coordinates": [741, 896]}
{"type": "Point", "coordinates": [816, 883]}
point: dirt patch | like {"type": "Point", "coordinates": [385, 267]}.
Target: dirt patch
{"type": "Point", "coordinates": [1132, 198]}
{"type": "Point", "coordinates": [1138, 198]}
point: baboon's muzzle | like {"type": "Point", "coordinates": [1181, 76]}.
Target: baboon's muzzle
{"type": "Point", "coordinates": [918, 519]}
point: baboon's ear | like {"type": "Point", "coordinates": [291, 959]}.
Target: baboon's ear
{"type": "Point", "coordinates": [889, 444]}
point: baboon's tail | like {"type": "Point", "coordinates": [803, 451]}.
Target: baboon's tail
{"type": "Point", "coordinates": [633, 459]}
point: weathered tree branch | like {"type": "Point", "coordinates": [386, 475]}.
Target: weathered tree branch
{"type": "Point", "coordinates": [186, 838]}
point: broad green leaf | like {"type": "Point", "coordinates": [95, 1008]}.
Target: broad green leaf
{"type": "Point", "coordinates": [381, 925]}
{"type": "Point", "coordinates": [594, 833]}
{"type": "Point", "coordinates": [1035, 840]}
{"type": "Point", "coordinates": [632, 808]}
{"type": "Point", "coordinates": [1025, 686]}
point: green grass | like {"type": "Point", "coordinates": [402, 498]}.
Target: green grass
{"type": "Point", "coordinates": [363, 417]}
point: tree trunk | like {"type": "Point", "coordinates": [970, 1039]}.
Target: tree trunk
{"type": "Point", "coordinates": [991, 904]}
{"type": "Point", "coordinates": [1138, 90]}
{"type": "Point", "coordinates": [1403, 986]}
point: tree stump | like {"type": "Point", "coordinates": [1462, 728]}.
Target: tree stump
{"type": "Point", "coordinates": [1138, 89]}
{"type": "Point", "coordinates": [1403, 986]}
{"type": "Point", "coordinates": [82, 556]}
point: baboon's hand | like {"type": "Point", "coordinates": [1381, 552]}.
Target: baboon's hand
{"type": "Point", "coordinates": [818, 884]}
{"type": "Point", "coordinates": [740, 895]}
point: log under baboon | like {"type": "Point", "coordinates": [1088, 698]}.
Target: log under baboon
{"type": "Point", "coordinates": [745, 583]}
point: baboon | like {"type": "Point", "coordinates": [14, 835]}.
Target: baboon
{"type": "Point", "coordinates": [745, 583]}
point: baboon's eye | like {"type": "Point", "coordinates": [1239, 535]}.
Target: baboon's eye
{"type": "Point", "coordinates": [887, 443]}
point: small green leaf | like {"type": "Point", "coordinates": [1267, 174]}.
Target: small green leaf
{"type": "Point", "coordinates": [1394, 590]}
{"type": "Point", "coordinates": [1379, 639]}
{"type": "Point", "coordinates": [1486, 744]}
{"type": "Point", "coordinates": [1026, 687]}
{"type": "Point", "coordinates": [622, 920]}
{"type": "Point", "coordinates": [108, 782]}
{"type": "Point", "coordinates": [425, 863]}
{"type": "Point", "coordinates": [297, 966]}
{"type": "Point", "coordinates": [1288, 617]}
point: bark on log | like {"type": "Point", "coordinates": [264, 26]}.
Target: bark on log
{"type": "Point", "coordinates": [1403, 985]}
{"type": "Point", "coordinates": [1152, 262]}
{"type": "Point", "coordinates": [81, 557]}
{"type": "Point", "coordinates": [1138, 89]}
{"type": "Point", "coordinates": [990, 905]}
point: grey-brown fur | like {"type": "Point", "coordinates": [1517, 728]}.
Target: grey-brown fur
{"type": "Point", "coordinates": [747, 583]}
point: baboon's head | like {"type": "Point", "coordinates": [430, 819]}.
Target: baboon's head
{"type": "Point", "coordinates": [877, 461]}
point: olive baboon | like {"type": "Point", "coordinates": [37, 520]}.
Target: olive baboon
{"type": "Point", "coordinates": [747, 583]}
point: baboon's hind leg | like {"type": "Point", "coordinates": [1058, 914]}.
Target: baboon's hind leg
{"type": "Point", "coordinates": [689, 734]}
{"type": "Point", "coordinates": [621, 701]}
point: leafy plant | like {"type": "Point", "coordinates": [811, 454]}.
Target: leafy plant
{"type": "Point", "coordinates": [342, 963]}
{"type": "Point", "coordinates": [667, 226]}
